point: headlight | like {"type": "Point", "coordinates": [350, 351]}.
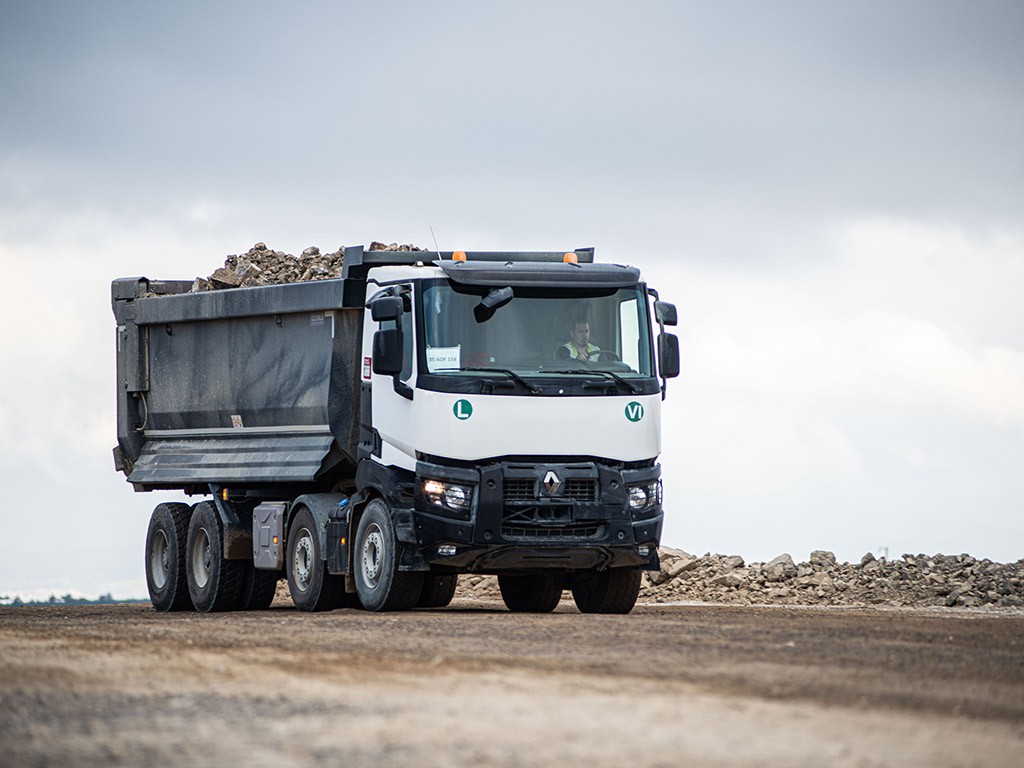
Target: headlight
{"type": "Point", "coordinates": [456, 497]}
{"type": "Point", "coordinates": [434, 491]}
{"type": "Point", "coordinates": [447, 494]}
{"type": "Point", "coordinates": [637, 497]}
{"type": "Point", "coordinates": [641, 496]}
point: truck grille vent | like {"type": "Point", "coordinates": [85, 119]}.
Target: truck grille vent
{"type": "Point", "coordinates": [520, 489]}
{"type": "Point", "coordinates": [547, 514]}
{"type": "Point", "coordinates": [581, 489]}
{"type": "Point", "coordinates": [536, 532]}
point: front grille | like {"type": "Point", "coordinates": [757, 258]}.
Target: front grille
{"type": "Point", "coordinates": [552, 533]}
{"type": "Point", "coordinates": [519, 489]}
{"type": "Point", "coordinates": [525, 489]}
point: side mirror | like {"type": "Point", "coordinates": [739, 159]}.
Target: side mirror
{"type": "Point", "coordinates": [492, 302]}
{"type": "Point", "coordinates": [665, 313]}
{"type": "Point", "coordinates": [386, 308]}
{"type": "Point", "coordinates": [387, 350]}
{"type": "Point", "coordinates": [668, 355]}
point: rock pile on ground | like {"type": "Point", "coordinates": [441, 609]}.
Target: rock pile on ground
{"type": "Point", "coordinates": [913, 580]}
{"type": "Point", "coordinates": [261, 265]}
{"type": "Point", "coordinates": [917, 580]}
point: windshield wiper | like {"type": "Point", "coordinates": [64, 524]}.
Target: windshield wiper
{"type": "Point", "coordinates": [589, 371]}
{"type": "Point", "coordinates": [506, 371]}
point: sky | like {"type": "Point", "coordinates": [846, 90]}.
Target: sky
{"type": "Point", "coordinates": [831, 193]}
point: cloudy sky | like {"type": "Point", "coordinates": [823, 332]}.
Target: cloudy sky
{"type": "Point", "coordinates": [832, 194]}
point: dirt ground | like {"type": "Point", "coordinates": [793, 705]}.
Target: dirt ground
{"type": "Point", "coordinates": [668, 685]}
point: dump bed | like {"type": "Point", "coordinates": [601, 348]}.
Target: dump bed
{"type": "Point", "coordinates": [249, 387]}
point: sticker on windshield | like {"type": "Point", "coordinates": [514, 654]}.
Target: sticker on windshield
{"type": "Point", "coordinates": [462, 409]}
{"type": "Point", "coordinates": [635, 411]}
{"type": "Point", "coordinates": [443, 358]}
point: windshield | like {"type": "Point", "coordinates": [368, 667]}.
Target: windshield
{"type": "Point", "coordinates": [535, 332]}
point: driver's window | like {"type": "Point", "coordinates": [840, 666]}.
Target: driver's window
{"type": "Point", "coordinates": [629, 328]}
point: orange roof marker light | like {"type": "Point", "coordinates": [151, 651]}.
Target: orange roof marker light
{"type": "Point", "coordinates": [570, 258]}
{"type": "Point", "coordinates": [459, 256]}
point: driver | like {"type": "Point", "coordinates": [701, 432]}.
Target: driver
{"type": "Point", "coordinates": [578, 347]}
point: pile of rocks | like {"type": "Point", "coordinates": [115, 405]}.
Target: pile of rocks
{"type": "Point", "coordinates": [919, 580]}
{"type": "Point", "coordinates": [913, 580]}
{"type": "Point", "coordinates": [261, 265]}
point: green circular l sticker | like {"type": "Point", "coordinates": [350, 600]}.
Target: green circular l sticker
{"type": "Point", "coordinates": [462, 409]}
{"type": "Point", "coordinates": [635, 411]}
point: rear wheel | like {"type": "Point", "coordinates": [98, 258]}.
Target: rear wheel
{"type": "Point", "coordinates": [379, 583]}
{"type": "Point", "coordinates": [311, 586]}
{"type": "Point", "coordinates": [214, 582]}
{"type": "Point", "coordinates": [532, 593]}
{"type": "Point", "coordinates": [165, 557]}
{"type": "Point", "coordinates": [438, 590]}
{"type": "Point", "coordinates": [611, 591]}
{"type": "Point", "coordinates": [258, 587]}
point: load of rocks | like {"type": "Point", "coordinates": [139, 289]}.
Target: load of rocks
{"type": "Point", "coordinates": [913, 580]}
{"type": "Point", "coordinates": [261, 265]}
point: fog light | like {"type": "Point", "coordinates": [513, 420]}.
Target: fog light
{"type": "Point", "coordinates": [643, 550]}
{"type": "Point", "coordinates": [637, 497]}
{"type": "Point", "coordinates": [446, 550]}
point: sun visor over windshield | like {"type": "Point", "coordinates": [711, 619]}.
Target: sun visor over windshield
{"type": "Point", "coordinates": [515, 274]}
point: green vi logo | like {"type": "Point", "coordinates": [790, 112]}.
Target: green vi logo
{"type": "Point", "coordinates": [462, 409]}
{"type": "Point", "coordinates": [634, 411]}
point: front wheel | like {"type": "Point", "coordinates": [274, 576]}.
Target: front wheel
{"type": "Point", "coordinates": [532, 593]}
{"type": "Point", "coordinates": [438, 590]}
{"type": "Point", "coordinates": [165, 557]}
{"type": "Point", "coordinates": [611, 591]}
{"type": "Point", "coordinates": [311, 586]}
{"type": "Point", "coordinates": [379, 583]}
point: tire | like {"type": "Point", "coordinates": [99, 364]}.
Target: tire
{"type": "Point", "coordinates": [214, 583]}
{"type": "Point", "coordinates": [165, 557]}
{"type": "Point", "coordinates": [612, 591]}
{"type": "Point", "coordinates": [258, 587]}
{"type": "Point", "coordinates": [438, 590]}
{"type": "Point", "coordinates": [379, 583]}
{"type": "Point", "coordinates": [533, 593]}
{"type": "Point", "coordinates": [311, 586]}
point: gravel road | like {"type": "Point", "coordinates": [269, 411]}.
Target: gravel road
{"type": "Point", "coordinates": [668, 685]}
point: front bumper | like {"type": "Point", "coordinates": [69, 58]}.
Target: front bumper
{"type": "Point", "coordinates": [521, 518]}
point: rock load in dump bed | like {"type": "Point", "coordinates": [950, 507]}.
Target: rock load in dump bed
{"type": "Point", "coordinates": [913, 580]}
{"type": "Point", "coordinates": [261, 265]}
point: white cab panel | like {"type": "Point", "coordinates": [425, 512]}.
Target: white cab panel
{"type": "Point", "coordinates": [501, 425]}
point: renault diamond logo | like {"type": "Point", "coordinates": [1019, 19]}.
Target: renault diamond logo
{"type": "Point", "coordinates": [551, 482]}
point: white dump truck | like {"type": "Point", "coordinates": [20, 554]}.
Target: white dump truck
{"type": "Point", "coordinates": [372, 437]}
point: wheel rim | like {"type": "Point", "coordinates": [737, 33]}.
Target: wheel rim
{"type": "Point", "coordinates": [159, 560]}
{"type": "Point", "coordinates": [201, 555]}
{"type": "Point", "coordinates": [372, 555]}
{"type": "Point", "coordinates": [302, 559]}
